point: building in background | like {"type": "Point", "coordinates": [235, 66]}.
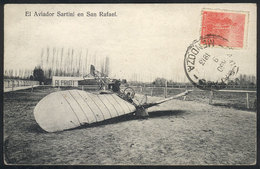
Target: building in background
{"type": "Point", "coordinates": [66, 81]}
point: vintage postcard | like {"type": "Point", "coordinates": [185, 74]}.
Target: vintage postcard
{"type": "Point", "coordinates": [130, 84]}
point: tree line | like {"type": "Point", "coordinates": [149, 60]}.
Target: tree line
{"type": "Point", "coordinates": [241, 80]}
{"type": "Point", "coordinates": [63, 62]}
{"type": "Point", "coordinates": [71, 62]}
{"type": "Point", "coordinates": [18, 73]}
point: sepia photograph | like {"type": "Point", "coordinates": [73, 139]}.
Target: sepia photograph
{"type": "Point", "coordinates": [130, 84]}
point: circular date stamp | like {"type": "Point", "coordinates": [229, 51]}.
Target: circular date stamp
{"type": "Point", "coordinates": [209, 66]}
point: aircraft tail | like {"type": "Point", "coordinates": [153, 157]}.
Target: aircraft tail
{"type": "Point", "coordinates": [167, 99]}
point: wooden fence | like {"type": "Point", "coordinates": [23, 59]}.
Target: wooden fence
{"type": "Point", "coordinates": [233, 91]}
{"type": "Point", "coordinates": [16, 84]}
{"type": "Point", "coordinates": [167, 91]}
{"type": "Point", "coordinates": [152, 91]}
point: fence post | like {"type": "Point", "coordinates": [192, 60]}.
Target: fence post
{"type": "Point", "coordinates": [152, 91]}
{"type": "Point", "coordinates": [165, 89]}
{"type": "Point", "coordinates": [211, 97]}
{"type": "Point", "coordinates": [12, 85]}
{"type": "Point", "coordinates": [82, 88]}
{"type": "Point", "coordinates": [32, 89]}
{"type": "Point", "coordinates": [247, 101]}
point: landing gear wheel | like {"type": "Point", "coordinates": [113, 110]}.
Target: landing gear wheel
{"type": "Point", "coordinates": [130, 92]}
{"type": "Point", "coordinates": [142, 112]}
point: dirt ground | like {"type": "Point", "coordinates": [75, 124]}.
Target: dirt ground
{"type": "Point", "coordinates": [176, 133]}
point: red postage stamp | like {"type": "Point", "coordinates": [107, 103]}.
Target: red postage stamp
{"type": "Point", "coordinates": [227, 24]}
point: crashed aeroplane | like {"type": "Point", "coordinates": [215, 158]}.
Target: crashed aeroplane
{"type": "Point", "coordinates": [70, 109]}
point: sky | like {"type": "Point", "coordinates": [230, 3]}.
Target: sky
{"type": "Point", "coordinates": [149, 40]}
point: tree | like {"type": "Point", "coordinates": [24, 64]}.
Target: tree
{"type": "Point", "coordinates": [159, 81]}
{"type": "Point", "coordinates": [237, 81]}
{"type": "Point", "coordinates": [38, 74]}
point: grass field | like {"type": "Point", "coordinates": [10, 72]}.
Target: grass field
{"type": "Point", "coordinates": [176, 133]}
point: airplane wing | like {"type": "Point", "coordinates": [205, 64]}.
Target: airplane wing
{"type": "Point", "coordinates": [69, 109]}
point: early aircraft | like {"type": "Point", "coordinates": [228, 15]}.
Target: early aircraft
{"type": "Point", "coordinates": [70, 109]}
